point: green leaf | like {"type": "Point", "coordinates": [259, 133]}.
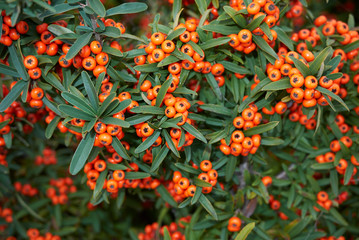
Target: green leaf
{"type": "Point", "coordinates": [53, 106]}
{"type": "Point", "coordinates": [333, 63]}
{"type": "Point", "coordinates": [175, 33]}
{"type": "Point", "coordinates": [230, 168]}
{"type": "Point", "coordinates": [271, 141]}
{"type": "Point", "coordinates": [127, 8]}
{"type": "Point", "coordinates": [225, 30]}
{"type": "Point", "coordinates": [318, 60]}
{"type": "Point", "coordinates": [200, 183]}
{"type": "Point", "coordinates": [112, 32]}
{"type": "Point", "coordinates": [17, 60]}
{"type": "Point", "coordinates": [152, 67]}
{"type": "Point", "coordinates": [170, 143]}
{"type": "Point", "coordinates": [4, 123]}
{"type": "Point", "coordinates": [115, 121]}
{"type": "Point", "coordinates": [237, 18]}
{"type": "Point", "coordinates": [348, 173]}
{"type": "Point", "coordinates": [120, 198]}
{"type": "Point", "coordinates": [25, 92]}
{"type": "Point", "coordinates": [202, 5]}
{"type": "Point", "coordinates": [108, 104]}
{"type": "Point", "coordinates": [182, 56]}
{"type": "Point", "coordinates": [8, 139]}
{"type": "Point", "coordinates": [303, 69]}
{"type": "Point", "coordinates": [168, 60]}
{"type": "Point", "coordinates": [196, 195]}
{"type": "Point", "coordinates": [196, 48]}
{"type": "Point", "coordinates": [58, 216]}
{"type": "Point", "coordinates": [247, 101]}
{"type": "Point", "coordinates": [331, 94]}
{"type": "Point", "coordinates": [255, 23]}
{"type": "Point", "coordinates": [148, 142]}
{"type": "Point", "coordinates": [136, 175]}
{"type": "Point", "coordinates": [185, 203]}
{"type": "Point", "coordinates": [299, 226]}
{"type": "Point", "coordinates": [283, 38]}
{"type": "Point", "coordinates": [230, 66]}
{"type": "Point", "coordinates": [338, 217]}
{"type": "Point", "coordinates": [262, 44]}
{"type": "Point", "coordinates": [119, 148]}
{"type": "Point", "coordinates": [166, 234]}
{"type": "Point", "coordinates": [82, 153]}
{"type": "Point", "coordinates": [322, 166]}
{"type": "Point", "coordinates": [214, 85]}
{"type": "Point", "coordinates": [206, 204]}
{"type": "Point", "coordinates": [166, 196]}
{"type": "Point", "coordinates": [163, 90]}
{"type": "Point", "coordinates": [99, 184]}
{"type": "Point", "coordinates": [351, 21]}
{"type": "Point", "coordinates": [281, 84]}
{"type": "Point", "coordinates": [335, 76]}
{"type": "Point", "coordinates": [176, 11]}
{"type": "Point", "coordinates": [187, 168]}
{"type": "Point", "coordinates": [261, 128]}
{"type": "Point", "coordinates": [59, 30]}
{"type": "Point", "coordinates": [98, 7]}
{"type": "Point", "coordinates": [90, 89]}
{"type": "Point", "coordinates": [45, 5]}
{"type": "Point", "coordinates": [59, 8]}
{"type": "Point", "coordinates": [51, 127]}
{"type": "Point", "coordinates": [159, 159]}
{"type": "Point", "coordinates": [78, 102]}
{"type": "Point", "coordinates": [114, 167]}
{"type": "Point", "coordinates": [12, 95]}
{"type": "Point", "coordinates": [352, 46]}
{"type": "Point", "coordinates": [204, 17]}
{"type": "Point", "coordinates": [243, 234]}
{"type": "Point", "coordinates": [75, 113]}
{"type": "Point", "coordinates": [138, 118]}
{"type": "Point", "coordinates": [83, 40]}
{"type": "Point", "coordinates": [134, 53]}
{"type": "Point", "coordinates": [148, 110]}
{"type": "Point", "coordinates": [10, 71]}
{"type": "Point", "coordinates": [334, 182]}
{"type": "Point", "coordinates": [215, 42]}
{"type": "Point", "coordinates": [291, 196]}
{"type": "Point", "coordinates": [217, 109]}
{"type": "Point", "coordinates": [194, 131]}
{"type": "Point", "coordinates": [119, 107]}
{"type": "Point", "coordinates": [266, 30]}
{"type": "Point", "coordinates": [112, 51]}
{"type": "Point", "coordinates": [54, 81]}
{"type": "Point", "coordinates": [28, 208]}
{"type": "Point", "coordinates": [130, 36]}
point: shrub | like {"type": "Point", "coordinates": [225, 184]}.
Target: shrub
{"type": "Point", "coordinates": [228, 120]}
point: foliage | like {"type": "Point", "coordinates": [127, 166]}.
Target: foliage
{"type": "Point", "coordinates": [228, 120]}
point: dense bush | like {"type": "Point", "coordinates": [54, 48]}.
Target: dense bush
{"type": "Point", "coordinates": [221, 120]}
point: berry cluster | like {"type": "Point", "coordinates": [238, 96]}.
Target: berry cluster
{"type": "Point", "coordinates": [26, 189]}
{"type": "Point", "coordinates": [59, 190]}
{"type": "Point", "coordinates": [6, 214]}
{"type": "Point", "coordinates": [175, 230]}
{"type": "Point", "coordinates": [239, 144]}
{"type": "Point", "coordinates": [11, 32]}
{"type": "Point", "coordinates": [34, 234]}
{"type": "Point", "coordinates": [297, 115]}
{"type": "Point", "coordinates": [48, 157]}
{"type": "Point", "coordinates": [323, 201]}
{"type": "Point", "coordinates": [115, 179]}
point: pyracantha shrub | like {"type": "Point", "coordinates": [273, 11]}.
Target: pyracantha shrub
{"type": "Point", "coordinates": [219, 120]}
